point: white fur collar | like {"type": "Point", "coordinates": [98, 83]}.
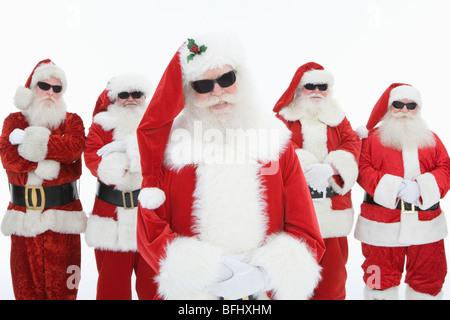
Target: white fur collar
{"type": "Point", "coordinates": [266, 139]}
{"type": "Point", "coordinates": [332, 116]}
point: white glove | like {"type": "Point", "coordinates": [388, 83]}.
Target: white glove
{"type": "Point", "coordinates": [409, 191]}
{"type": "Point", "coordinates": [115, 146]}
{"type": "Point", "coordinates": [17, 136]}
{"type": "Point", "coordinates": [317, 176]}
{"type": "Point", "coordinates": [246, 280]}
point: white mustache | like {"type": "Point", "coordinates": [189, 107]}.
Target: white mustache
{"type": "Point", "coordinates": [47, 98]}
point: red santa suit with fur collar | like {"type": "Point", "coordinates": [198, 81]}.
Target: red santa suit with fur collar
{"type": "Point", "coordinates": [111, 229]}
{"type": "Point", "coordinates": [390, 234]}
{"type": "Point", "coordinates": [44, 243]}
{"type": "Point", "coordinates": [213, 208]}
{"type": "Point", "coordinates": [327, 139]}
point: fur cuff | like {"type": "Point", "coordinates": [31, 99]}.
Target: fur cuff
{"type": "Point", "coordinates": [189, 268]}
{"type": "Point", "coordinates": [48, 169]}
{"type": "Point", "coordinates": [293, 273]}
{"type": "Point", "coordinates": [386, 191]}
{"type": "Point", "coordinates": [429, 190]}
{"type": "Point", "coordinates": [345, 163]}
{"type": "Point", "coordinates": [151, 198]}
{"type": "Point", "coordinates": [34, 146]}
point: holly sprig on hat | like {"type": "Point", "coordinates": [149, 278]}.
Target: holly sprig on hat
{"type": "Point", "coordinates": [194, 49]}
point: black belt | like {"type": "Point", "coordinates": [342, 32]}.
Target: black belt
{"type": "Point", "coordinates": [329, 193]}
{"type": "Point", "coordinates": [125, 199]}
{"type": "Point", "coordinates": [39, 197]}
{"type": "Point", "coordinates": [404, 206]}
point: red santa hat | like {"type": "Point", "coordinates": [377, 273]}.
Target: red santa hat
{"type": "Point", "coordinates": [193, 58]}
{"type": "Point", "coordinates": [44, 70]}
{"type": "Point", "coordinates": [310, 72]}
{"type": "Point", "coordinates": [395, 92]}
{"type": "Point", "coordinates": [126, 82]}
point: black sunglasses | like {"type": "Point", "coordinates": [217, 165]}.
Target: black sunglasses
{"type": "Point", "coordinates": [400, 105]}
{"type": "Point", "coordinates": [205, 86]}
{"type": "Point", "coordinates": [45, 86]}
{"type": "Point", "coordinates": [135, 95]}
{"type": "Point", "coordinates": [312, 87]}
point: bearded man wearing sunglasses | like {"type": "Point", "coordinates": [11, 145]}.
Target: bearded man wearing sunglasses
{"type": "Point", "coordinates": [112, 156]}
{"type": "Point", "coordinates": [224, 210]}
{"type": "Point", "coordinates": [41, 149]}
{"type": "Point", "coordinates": [328, 150]}
{"type": "Point", "coordinates": [404, 170]}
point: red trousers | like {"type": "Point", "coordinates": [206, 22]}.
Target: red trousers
{"type": "Point", "coordinates": [334, 272]}
{"type": "Point", "coordinates": [46, 267]}
{"type": "Point", "coordinates": [114, 276]}
{"type": "Point", "coordinates": [426, 267]}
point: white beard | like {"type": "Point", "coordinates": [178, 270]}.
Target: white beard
{"type": "Point", "coordinates": [44, 113]}
{"type": "Point", "coordinates": [313, 110]}
{"type": "Point", "coordinates": [126, 119]}
{"type": "Point", "coordinates": [400, 131]}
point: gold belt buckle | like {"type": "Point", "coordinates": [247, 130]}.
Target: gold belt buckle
{"type": "Point", "coordinates": [32, 205]}
{"type": "Point", "coordinates": [124, 198]}
{"type": "Point", "coordinates": [413, 209]}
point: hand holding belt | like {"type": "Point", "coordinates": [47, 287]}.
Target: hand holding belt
{"type": "Point", "coordinates": [125, 199]}
{"type": "Point", "coordinates": [40, 198]}
{"type": "Point", "coordinates": [401, 205]}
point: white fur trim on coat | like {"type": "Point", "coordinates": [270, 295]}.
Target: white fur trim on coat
{"type": "Point", "coordinates": [409, 231]}
{"type": "Point", "coordinates": [34, 145]}
{"type": "Point", "coordinates": [33, 223]}
{"type": "Point", "coordinates": [115, 235]}
{"type": "Point", "coordinates": [333, 223]}
{"type": "Point", "coordinates": [190, 266]}
{"type": "Point", "coordinates": [151, 198]}
{"type": "Point", "coordinates": [291, 269]}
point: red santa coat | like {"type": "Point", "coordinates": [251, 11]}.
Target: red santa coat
{"type": "Point", "coordinates": [382, 170]}
{"type": "Point", "coordinates": [48, 158]}
{"type": "Point", "coordinates": [110, 227]}
{"type": "Point", "coordinates": [216, 208]}
{"type": "Point", "coordinates": [330, 139]}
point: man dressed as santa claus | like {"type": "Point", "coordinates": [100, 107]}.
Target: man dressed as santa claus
{"type": "Point", "coordinates": [112, 156]}
{"type": "Point", "coordinates": [41, 149]}
{"type": "Point", "coordinates": [328, 150]}
{"type": "Point", "coordinates": [404, 169]}
{"type": "Point", "coordinates": [225, 212]}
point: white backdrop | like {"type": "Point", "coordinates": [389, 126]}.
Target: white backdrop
{"type": "Point", "coordinates": [366, 44]}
